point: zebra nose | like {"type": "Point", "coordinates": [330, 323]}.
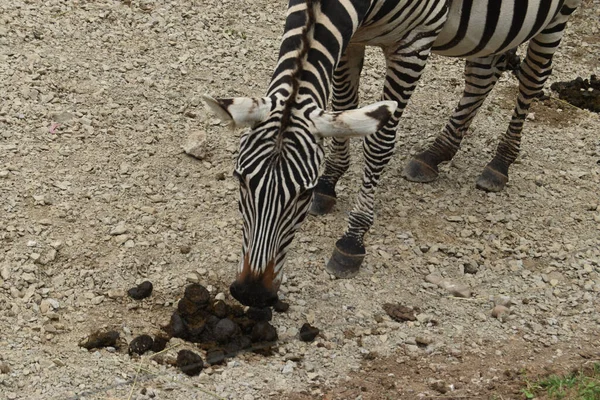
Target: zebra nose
{"type": "Point", "coordinates": [253, 294]}
{"type": "Point", "coordinates": [255, 289]}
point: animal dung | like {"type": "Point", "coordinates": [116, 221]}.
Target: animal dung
{"type": "Point", "coordinates": [141, 344]}
{"type": "Point", "coordinates": [281, 306]}
{"type": "Point", "coordinates": [189, 362]}
{"type": "Point", "coordinates": [308, 333]}
{"type": "Point", "coordinates": [100, 339]}
{"type": "Point", "coordinates": [141, 291]}
{"type": "Point", "coordinates": [400, 313]}
{"type": "Point", "coordinates": [260, 314]}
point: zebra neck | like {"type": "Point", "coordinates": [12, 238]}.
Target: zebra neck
{"type": "Point", "coordinates": [316, 34]}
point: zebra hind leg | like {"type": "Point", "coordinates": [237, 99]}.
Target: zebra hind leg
{"type": "Point", "coordinates": [481, 74]}
{"type": "Point", "coordinates": [534, 70]}
{"type": "Point", "coordinates": [345, 97]}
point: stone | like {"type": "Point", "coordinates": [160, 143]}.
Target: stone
{"type": "Point", "coordinates": [119, 230]}
{"type": "Point", "coordinates": [196, 145]}
{"type": "Point", "coordinates": [500, 312]}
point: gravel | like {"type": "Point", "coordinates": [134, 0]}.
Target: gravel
{"type": "Point", "coordinates": [97, 100]}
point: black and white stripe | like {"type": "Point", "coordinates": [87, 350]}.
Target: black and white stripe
{"type": "Point", "coordinates": [322, 53]}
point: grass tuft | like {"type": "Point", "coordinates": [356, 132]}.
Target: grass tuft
{"type": "Point", "coordinates": [581, 385]}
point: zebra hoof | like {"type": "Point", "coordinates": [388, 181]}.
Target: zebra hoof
{"type": "Point", "coordinates": [419, 171]}
{"type": "Point", "coordinates": [491, 180]}
{"type": "Point", "coordinates": [346, 259]}
{"type": "Point", "coordinates": [321, 204]}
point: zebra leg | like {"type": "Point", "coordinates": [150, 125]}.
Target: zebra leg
{"type": "Point", "coordinates": [345, 97]}
{"type": "Point", "coordinates": [481, 74]}
{"type": "Point", "coordinates": [534, 70]}
{"type": "Point", "coordinates": [405, 64]}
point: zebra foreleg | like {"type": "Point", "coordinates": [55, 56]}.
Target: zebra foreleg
{"type": "Point", "coordinates": [345, 97]}
{"type": "Point", "coordinates": [481, 74]}
{"type": "Point", "coordinates": [405, 64]}
{"type": "Point", "coordinates": [535, 69]}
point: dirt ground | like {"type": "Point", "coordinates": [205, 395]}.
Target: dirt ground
{"type": "Point", "coordinates": [97, 99]}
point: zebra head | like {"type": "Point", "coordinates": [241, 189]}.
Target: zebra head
{"type": "Point", "coordinates": [277, 168]}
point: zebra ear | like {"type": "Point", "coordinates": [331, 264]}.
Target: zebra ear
{"type": "Point", "coordinates": [353, 123]}
{"type": "Point", "coordinates": [239, 111]}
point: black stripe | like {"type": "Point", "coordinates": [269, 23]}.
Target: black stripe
{"type": "Point", "coordinates": [465, 14]}
{"type": "Point", "coordinates": [519, 13]}
{"type": "Point", "coordinates": [491, 22]}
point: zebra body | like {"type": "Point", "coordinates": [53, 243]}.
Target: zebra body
{"type": "Point", "coordinates": [322, 54]}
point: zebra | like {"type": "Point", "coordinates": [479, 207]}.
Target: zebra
{"type": "Point", "coordinates": [322, 52]}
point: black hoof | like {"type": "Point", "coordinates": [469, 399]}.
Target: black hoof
{"type": "Point", "coordinates": [321, 204]}
{"type": "Point", "coordinates": [491, 180]}
{"type": "Point", "coordinates": [348, 255]}
{"type": "Point", "coordinates": [419, 171]}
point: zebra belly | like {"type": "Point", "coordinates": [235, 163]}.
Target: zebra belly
{"type": "Point", "coordinates": [478, 28]}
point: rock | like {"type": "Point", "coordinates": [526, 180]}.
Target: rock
{"type": "Point", "coordinates": [288, 368]}
{"type": "Point", "coordinates": [281, 306]}
{"type": "Point", "coordinates": [141, 344]}
{"type": "Point", "coordinates": [500, 312]}
{"type": "Point", "coordinates": [433, 278]}
{"type": "Point", "coordinates": [456, 289]}
{"type": "Point", "coordinates": [423, 340]}
{"type": "Point", "coordinates": [115, 293]}
{"type": "Point", "coordinates": [189, 362]}
{"type": "Point", "coordinates": [141, 291]}
{"type": "Point", "coordinates": [399, 312]}
{"type": "Point", "coordinates": [47, 305]}
{"type": "Point", "coordinates": [471, 267]}
{"type": "Point", "coordinates": [118, 230]}
{"type": "Point", "coordinates": [439, 386]}
{"type": "Point", "coordinates": [308, 333]}
{"type": "Point", "coordinates": [185, 249]}
{"type": "Point", "coordinates": [5, 272]}
{"type": "Point", "coordinates": [502, 300]}
{"type": "Point", "coordinates": [196, 145]}
{"type": "Point", "coordinates": [100, 339]}
{"type": "Point", "coordinates": [4, 368]}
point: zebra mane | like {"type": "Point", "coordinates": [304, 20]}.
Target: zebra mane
{"type": "Point", "coordinates": [297, 73]}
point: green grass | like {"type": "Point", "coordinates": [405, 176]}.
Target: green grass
{"type": "Point", "coordinates": [576, 386]}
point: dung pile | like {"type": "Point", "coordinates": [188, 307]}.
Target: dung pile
{"type": "Point", "coordinates": [222, 330]}
{"type": "Point", "coordinates": [580, 92]}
